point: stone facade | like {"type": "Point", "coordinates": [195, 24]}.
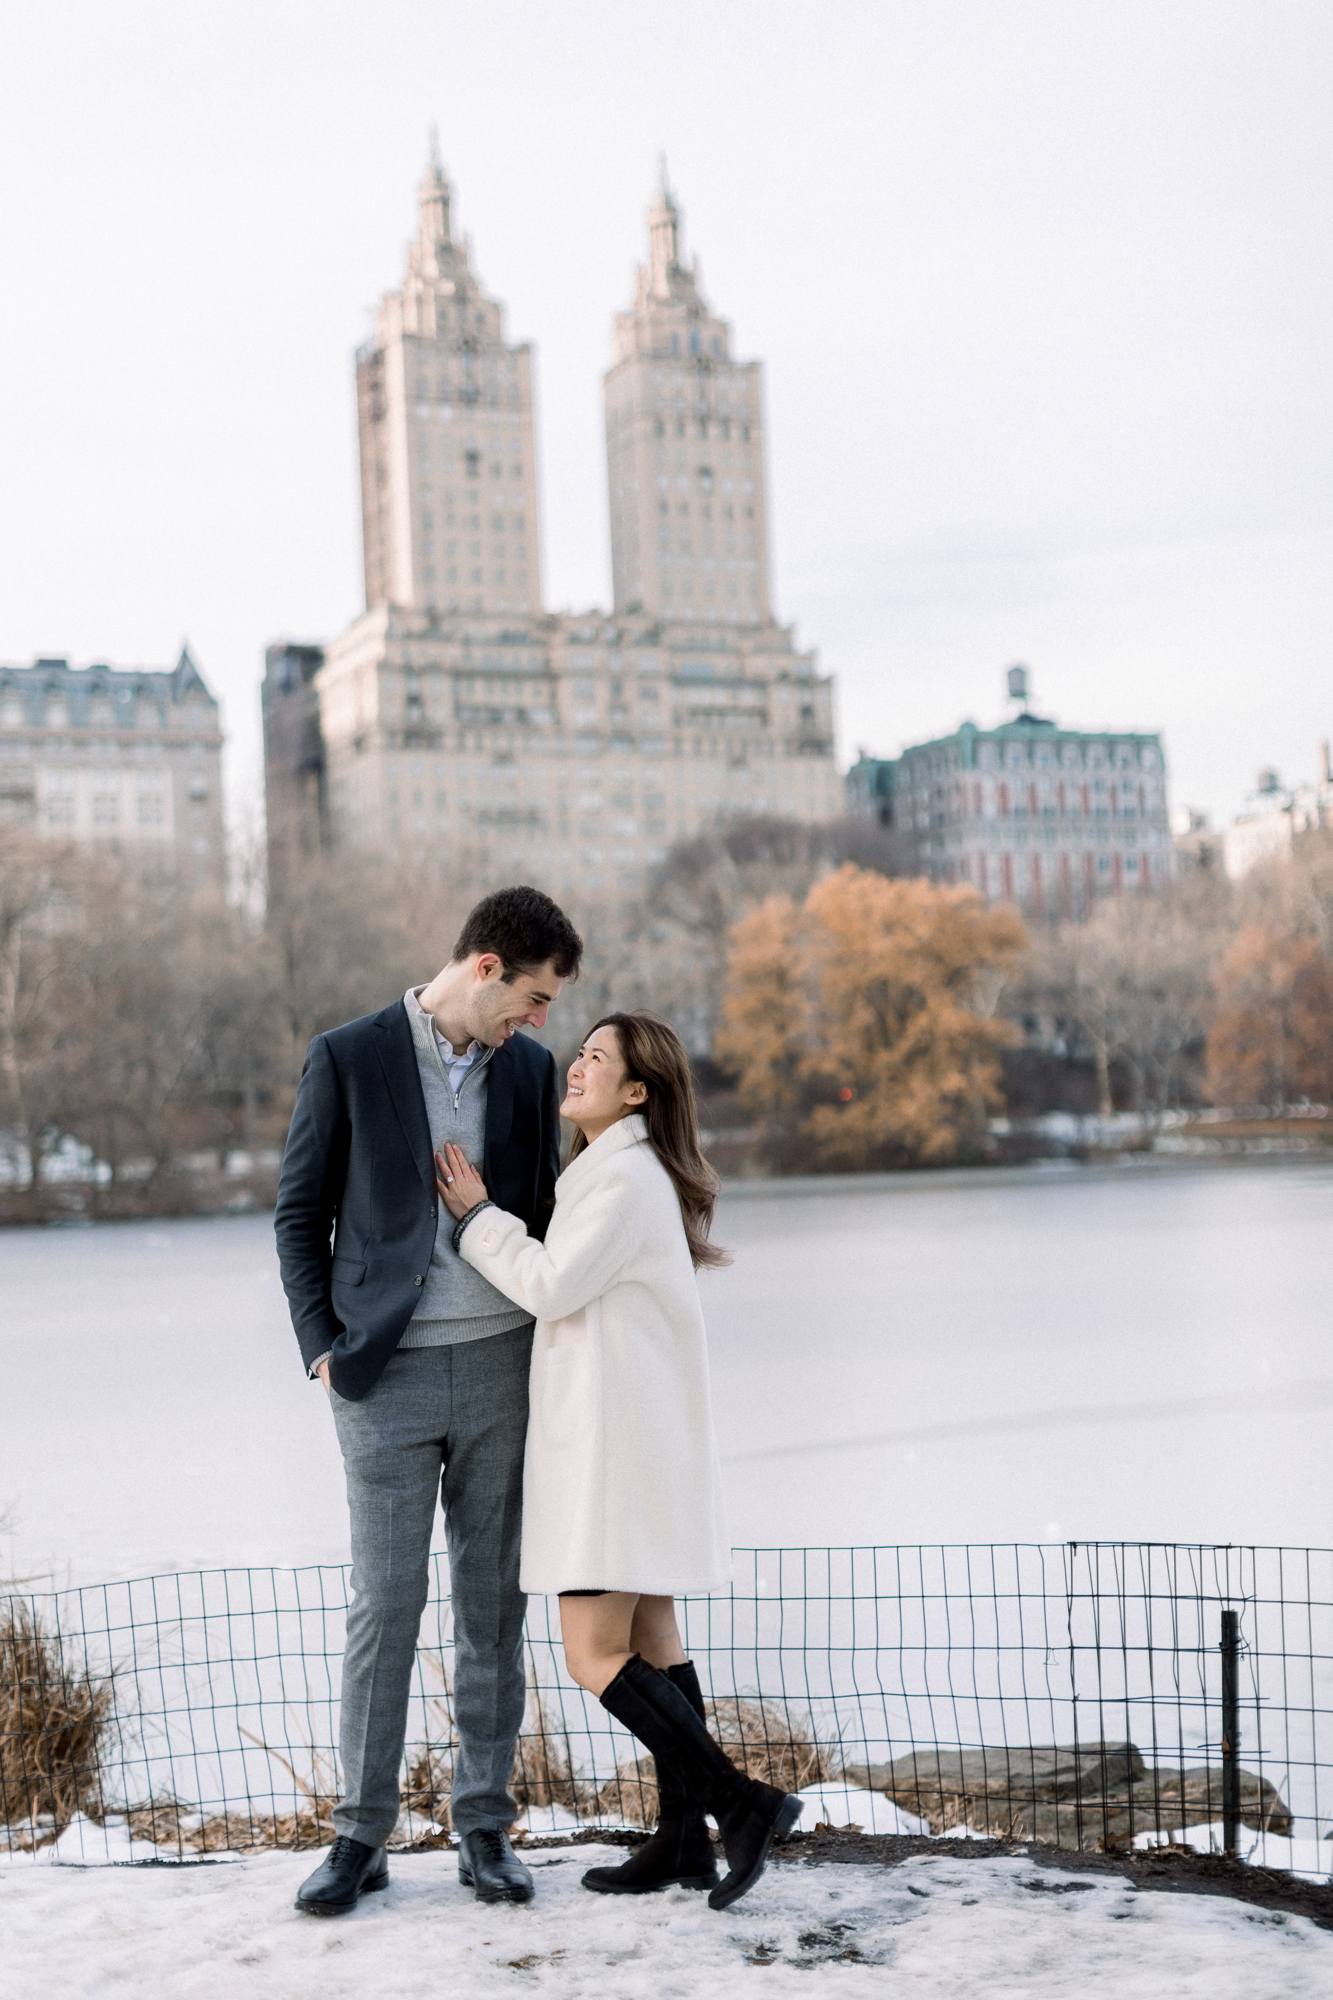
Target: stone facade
{"type": "Point", "coordinates": [448, 466]}
{"type": "Point", "coordinates": [566, 751]}
{"type": "Point", "coordinates": [684, 450]}
{"type": "Point", "coordinates": [127, 760]}
{"type": "Point", "coordinates": [1029, 813]}
{"type": "Point", "coordinates": [456, 718]}
{"type": "Point", "coordinates": [295, 811]}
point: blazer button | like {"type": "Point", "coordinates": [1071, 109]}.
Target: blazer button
{"type": "Point", "coordinates": [418, 1281]}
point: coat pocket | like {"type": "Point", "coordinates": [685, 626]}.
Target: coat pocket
{"type": "Point", "coordinates": [565, 1390]}
{"type": "Point", "coordinates": [347, 1271]}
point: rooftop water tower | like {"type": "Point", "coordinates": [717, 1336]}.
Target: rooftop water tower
{"type": "Point", "coordinates": [1018, 682]}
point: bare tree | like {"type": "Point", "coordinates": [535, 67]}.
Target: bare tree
{"type": "Point", "coordinates": [343, 936]}
{"type": "Point", "coordinates": [1136, 983]}
{"type": "Point", "coordinates": [36, 877]}
{"type": "Point", "coordinates": [1294, 896]}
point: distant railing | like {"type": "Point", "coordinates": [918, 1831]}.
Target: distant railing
{"type": "Point", "coordinates": [1091, 1695]}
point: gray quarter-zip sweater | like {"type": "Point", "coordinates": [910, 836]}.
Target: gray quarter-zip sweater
{"type": "Point", "coordinates": [457, 1304]}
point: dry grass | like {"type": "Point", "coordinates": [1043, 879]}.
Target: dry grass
{"type": "Point", "coordinates": [631, 1796]}
{"type": "Point", "coordinates": [169, 1822]}
{"type": "Point", "coordinates": [56, 1722]}
{"type": "Point", "coordinates": [759, 1736]}
{"type": "Point", "coordinates": [544, 1765]}
{"type": "Point", "coordinates": [767, 1742]}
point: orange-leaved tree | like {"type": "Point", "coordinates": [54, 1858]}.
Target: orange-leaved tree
{"type": "Point", "coordinates": [763, 1013]}
{"type": "Point", "coordinates": [1272, 1039]}
{"type": "Point", "coordinates": [861, 1023]}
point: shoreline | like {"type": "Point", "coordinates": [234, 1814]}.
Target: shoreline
{"type": "Point", "coordinates": [1050, 1169]}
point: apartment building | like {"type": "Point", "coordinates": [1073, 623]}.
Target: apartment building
{"type": "Point", "coordinates": [1028, 812]}
{"type": "Point", "coordinates": [122, 759]}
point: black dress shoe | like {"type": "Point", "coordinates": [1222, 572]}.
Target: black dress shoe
{"type": "Point", "coordinates": [350, 1869]}
{"type": "Point", "coordinates": [679, 1852]}
{"type": "Point", "coordinates": [488, 1864]}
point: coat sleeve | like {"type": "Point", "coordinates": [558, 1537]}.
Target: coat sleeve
{"type": "Point", "coordinates": [548, 1166]}
{"type": "Point", "coordinates": [553, 1280]}
{"type": "Point", "coordinates": [314, 1167]}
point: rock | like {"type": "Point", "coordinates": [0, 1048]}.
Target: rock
{"type": "Point", "coordinates": [1017, 1774]}
{"type": "Point", "coordinates": [1165, 1798]}
{"type": "Point", "coordinates": [1094, 1796]}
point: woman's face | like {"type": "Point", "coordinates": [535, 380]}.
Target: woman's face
{"type": "Point", "coordinates": [598, 1091]}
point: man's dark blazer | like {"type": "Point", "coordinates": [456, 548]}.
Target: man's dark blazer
{"type": "Point", "coordinates": [359, 1161]}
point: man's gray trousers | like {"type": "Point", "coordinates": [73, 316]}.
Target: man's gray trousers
{"type": "Point", "coordinates": [449, 1420]}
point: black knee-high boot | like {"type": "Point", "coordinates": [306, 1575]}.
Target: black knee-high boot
{"type": "Point", "coordinates": [680, 1851]}
{"type": "Point", "coordinates": [750, 1816]}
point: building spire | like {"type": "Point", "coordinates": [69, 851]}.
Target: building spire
{"type": "Point", "coordinates": [663, 236]}
{"type": "Point", "coordinates": [436, 196]}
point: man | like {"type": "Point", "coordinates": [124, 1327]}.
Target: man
{"type": "Point", "coordinates": [425, 1363]}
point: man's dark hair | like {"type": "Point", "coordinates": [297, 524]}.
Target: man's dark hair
{"type": "Point", "coordinates": [524, 929]}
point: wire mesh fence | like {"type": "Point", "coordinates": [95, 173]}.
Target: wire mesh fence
{"type": "Point", "coordinates": [1093, 1695]}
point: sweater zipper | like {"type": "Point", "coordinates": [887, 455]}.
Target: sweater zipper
{"type": "Point", "coordinates": [471, 1071]}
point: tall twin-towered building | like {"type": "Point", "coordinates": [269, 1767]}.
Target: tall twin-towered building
{"type": "Point", "coordinates": [458, 719]}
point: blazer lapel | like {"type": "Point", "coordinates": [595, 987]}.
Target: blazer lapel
{"type": "Point", "coordinates": [499, 1105]}
{"type": "Point", "coordinates": [398, 1060]}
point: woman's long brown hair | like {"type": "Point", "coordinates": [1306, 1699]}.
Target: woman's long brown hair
{"type": "Point", "coordinates": [654, 1055]}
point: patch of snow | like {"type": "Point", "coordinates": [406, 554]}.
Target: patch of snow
{"type": "Point", "coordinates": [1312, 1859]}
{"type": "Point", "coordinates": [550, 1819]}
{"type": "Point", "coordinates": [86, 1844]}
{"type": "Point", "coordinates": [941, 1928]}
{"type": "Point", "coordinates": [853, 1805]}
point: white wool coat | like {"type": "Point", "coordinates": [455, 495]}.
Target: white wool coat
{"type": "Point", "coordinates": [621, 1484]}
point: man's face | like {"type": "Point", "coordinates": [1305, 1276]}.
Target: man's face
{"type": "Point", "coordinates": [500, 1007]}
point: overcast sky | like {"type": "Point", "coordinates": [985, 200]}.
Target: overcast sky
{"type": "Point", "coordinates": [1043, 291]}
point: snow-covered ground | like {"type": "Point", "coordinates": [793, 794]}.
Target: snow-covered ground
{"type": "Point", "coordinates": [931, 1926]}
{"type": "Point", "coordinates": [86, 1843]}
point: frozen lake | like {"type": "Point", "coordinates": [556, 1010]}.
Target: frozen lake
{"type": "Point", "coordinates": [1138, 1353]}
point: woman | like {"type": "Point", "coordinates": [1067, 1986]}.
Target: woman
{"type": "Point", "coordinates": [622, 1507]}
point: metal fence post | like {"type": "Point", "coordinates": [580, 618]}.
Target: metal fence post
{"type": "Point", "coordinates": [1230, 1730]}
